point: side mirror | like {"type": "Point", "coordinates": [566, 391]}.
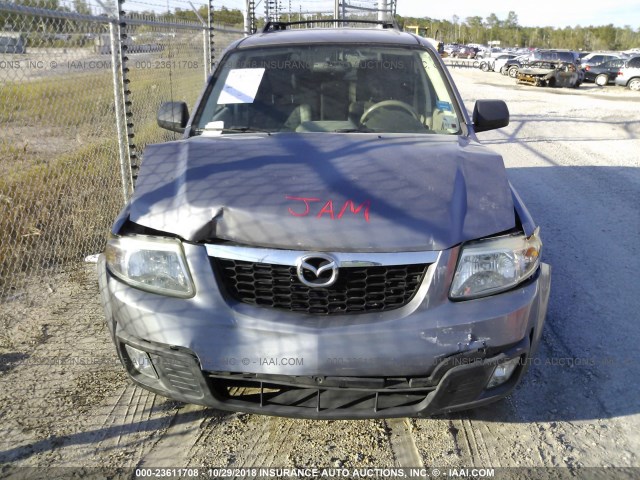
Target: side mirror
{"type": "Point", "coordinates": [173, 116]}
{"type": "Point", "coordinates": [489, 115]}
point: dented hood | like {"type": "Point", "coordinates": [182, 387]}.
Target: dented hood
{"type": "Point", "coordinates": [323, 191]}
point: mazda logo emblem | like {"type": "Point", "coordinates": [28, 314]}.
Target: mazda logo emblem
{"type": "Point", "coordinates": [317, 270]}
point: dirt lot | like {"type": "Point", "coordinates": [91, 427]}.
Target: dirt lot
{"type": "Point", "coordinates": [573, 157]}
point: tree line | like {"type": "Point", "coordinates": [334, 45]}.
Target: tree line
{"type": "Point", "coordinates": [509, 33]}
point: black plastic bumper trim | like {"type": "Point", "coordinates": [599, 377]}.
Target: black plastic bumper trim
{"type": "Point", "coordinates": [452, 387]}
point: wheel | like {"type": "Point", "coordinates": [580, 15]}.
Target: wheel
{"type": "Point", "coordinates": [484, 66]}
{"type": "Point", "coordinates": [386, 104]}
{"type": "Point", "coordinates": [602, 79]}
{"type": "Point", "coordinates": [634, 84]}
{"type": "Point", "coordinates": [513, 72]}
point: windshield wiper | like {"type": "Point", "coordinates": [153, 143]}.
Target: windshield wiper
{"type": "Point", "coordinates": [200, 131]}
{"type": "Point", "coordinates": [362, 129]}
{"type": "Point", "coordinates": [245, 130]}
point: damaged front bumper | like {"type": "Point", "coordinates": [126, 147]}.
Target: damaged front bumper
{"type": "Point", "coordinates": [457, 383]}
{"type": "Point", "coordinates": [430, 356]}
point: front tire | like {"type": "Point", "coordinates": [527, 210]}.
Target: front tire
{"type": "Point", "coordinates": [513, 72]}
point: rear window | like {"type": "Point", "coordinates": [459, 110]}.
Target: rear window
{"type": "Point", "coordinates": [566, 56]}
{"type": "Point", "coordinates": [615, 63]}
{"type": "Point", "coordinates": [634, 62]}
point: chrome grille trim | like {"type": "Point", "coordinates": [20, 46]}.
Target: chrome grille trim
{"type": "Point", "coordinates": [345, 259]}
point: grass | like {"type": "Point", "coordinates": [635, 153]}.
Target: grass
{"type": "Point", "coordinates": [57, 212]}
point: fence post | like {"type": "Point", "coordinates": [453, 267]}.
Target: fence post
{"type": "Point", "coordinates": [212, 51]}
{"type": "Point", "coordinates": [125, 92]}
{"type": "Point", "coordinates": [125, 164]}
{"type": "Point", "coordinates": [205, 44]}
{"type": "Point", "coordinates": [247, 18]}
{"type": "Point", "coordinates": [123, 152]}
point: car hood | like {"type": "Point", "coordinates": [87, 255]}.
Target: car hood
{"type": "Point", "coordinates": [323, 191]}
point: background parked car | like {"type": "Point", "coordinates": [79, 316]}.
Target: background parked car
{"type": "Point", "coordinates": [550, 73]}
{"type": "Point", "coordinates": [450, 49]}
{"type": "Point", "coordinates": [511, 66]}
{"type": "Point", "coordinates": [629, 74]}
{"type": "Point", "coordinates": [12, 42]}
{"type": "Point", "coordinates": [492, 53]}
{"type": "Point", "coordinates": [604, 73]}
{"type": "Point", "coordinates": [594, 59]}
{"type": "Point", "coordinates": [102, 45]}
{"type": "Point", "coordinates": [553, 55]}
{"type": "Point", "coordinates": [497, 64]}
{"type": "Point", "coordinates": [465, 52]}
{"type": "Point", "coordinates": [557, 55]}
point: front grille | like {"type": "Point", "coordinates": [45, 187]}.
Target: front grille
{"type": "Point", "coordinates": [357, 289]}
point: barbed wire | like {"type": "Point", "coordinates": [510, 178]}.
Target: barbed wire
{"type": "Point", "coordinates": [166, 5]}
{"type": "Point", "coordinates": [294, 6]}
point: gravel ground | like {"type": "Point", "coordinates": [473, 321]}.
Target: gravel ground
{"type": "Point", "coordinates": [573, 157]}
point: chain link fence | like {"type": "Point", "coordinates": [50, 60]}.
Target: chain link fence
{"type": "Point", "coordinates": [80, 84]}
{"type": "Point", "coordinates": [367, 9]}
{"type": "Point", "coordinates": [287, 11]}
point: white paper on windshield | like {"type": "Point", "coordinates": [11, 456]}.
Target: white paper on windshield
{"type": "Point", "coordinates": [213, 129]}
{"type": "Point", "coordinates": [241, 86]}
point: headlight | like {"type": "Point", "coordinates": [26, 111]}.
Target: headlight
{"type": "Point", "coordinates": [154, 264]}
{"type": "Point", "coordinates": [494, 265]}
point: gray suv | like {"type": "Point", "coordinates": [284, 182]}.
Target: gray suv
{"type": "Point", "coordinates": [328, 239]}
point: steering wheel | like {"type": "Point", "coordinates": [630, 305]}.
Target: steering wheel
{"type": "Point", "coordinates": [389, 103]}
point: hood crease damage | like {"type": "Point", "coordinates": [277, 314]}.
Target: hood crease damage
{"type": "Point", "coordinates": [325, 192]}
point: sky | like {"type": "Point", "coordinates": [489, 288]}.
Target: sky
{"type": "Point", "coordinates": [532, 13]}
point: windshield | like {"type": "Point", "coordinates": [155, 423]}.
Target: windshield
{"type": "Point", "coordinates": [329, 88]}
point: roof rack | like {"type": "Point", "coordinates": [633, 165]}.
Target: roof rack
{"type": "Point", "coordinates": [275, 26]}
